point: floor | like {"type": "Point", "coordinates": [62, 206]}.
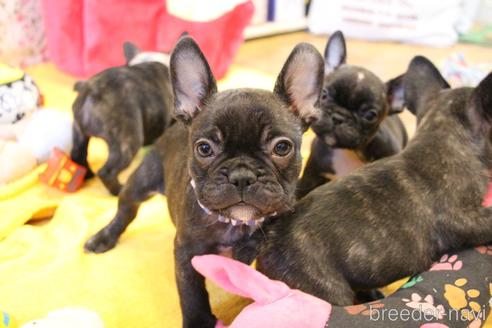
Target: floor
{"type": "Point", "coordinates": [385, 59]}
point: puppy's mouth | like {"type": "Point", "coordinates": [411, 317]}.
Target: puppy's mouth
{"type": "Point", "coordinates": [239, 214]}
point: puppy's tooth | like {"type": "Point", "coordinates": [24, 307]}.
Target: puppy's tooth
{"type": "Point", "coordinates": [221, 218]}
{"type": "Point", "coordinates": [260, 220]}
{"type": "Point", "coordinates": [234, 222]}
{"type": "Point", "coordinates": [274, 214]}
{"type": "Point", "coordinates": [192, 183]}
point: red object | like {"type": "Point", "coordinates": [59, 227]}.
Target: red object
{"type": "Point", "coordinates": [62, 173]}
{"type": "Point", "coordinates": [487, 201]}
{"type": "Point", "coordinates": [86, 36]}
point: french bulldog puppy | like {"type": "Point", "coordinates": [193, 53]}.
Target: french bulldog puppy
{"type": "Point", "coordinates": [357, 123]}
{"type": "Point", "coordinates": [394, 217]}
{"type": "Point", "coordinates": [127, 106]}
{"type": "Point", "coordinates": [230, 162]}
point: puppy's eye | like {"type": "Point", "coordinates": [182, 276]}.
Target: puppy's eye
{"type": "Point", "coordinates": [282, 148]}
{"type": "Point", "coordinates": [370, 115]}
{"type": "Point", "coordinates": [204, 149]}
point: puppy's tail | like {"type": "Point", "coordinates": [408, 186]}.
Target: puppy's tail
{"type": "Point", "coordinates": [79, 86]}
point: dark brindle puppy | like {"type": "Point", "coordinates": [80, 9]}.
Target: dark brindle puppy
{"type": "Point", "coordinates": [357, 123]}
{"type": "Point", "coordinates": [394, 217]}
{"type": "Point", "coordinates": [128, 107]}
{"type": "Point", "coordinates": [230, 162]}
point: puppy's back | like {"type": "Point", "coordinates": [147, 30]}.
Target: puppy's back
{"type": "Point", "coordinates": [346, 226]}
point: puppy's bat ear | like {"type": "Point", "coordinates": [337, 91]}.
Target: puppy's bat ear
{"type": "Point", "coordinates": [300, 81]}
{"type": "Point", "coordinates": [421, 81]}
{"type": "Point", "coordinates": [395, 95]}
{"type": "Point", "coordinates": [192, 79]}
{"type": "Point", "coordinates": [480, 105]}
{"type": "Point", "coordinates": [335, 52]}
{"type": "Point", "coordinates": [130, 50]}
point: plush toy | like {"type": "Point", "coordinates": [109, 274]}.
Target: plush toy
{"type": "Point", "coordinates": [67, 317]}
{"type": "Point", "coordinates": [455, 292]}
{"type": "Point", "coordinates": [27, 134]}
{"type": "Point", "coordinates": [19, 95]}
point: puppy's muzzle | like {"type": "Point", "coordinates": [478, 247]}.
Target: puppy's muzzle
{"type": "Point", "coordinates": [242, 178]}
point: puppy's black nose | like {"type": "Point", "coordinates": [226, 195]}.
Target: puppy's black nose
{"type": "Point", "coordinates": [242, 177]}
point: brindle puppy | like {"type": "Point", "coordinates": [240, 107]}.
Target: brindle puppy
{"type": "Point", "coordinates": [128, 107]}
{"type": "Point", "coordinates": [358, 124]}
{"type": "Point", "coordinates": [231, 162]}
{"type": "Point", "coordinates": [394, 217]}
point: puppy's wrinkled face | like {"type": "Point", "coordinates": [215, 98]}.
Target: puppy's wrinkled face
{"type": "Point", "coordinates": [245, 155]}
{"type": "Point", "coordinates": [244, 144]}
{"type": "Point", "coordinates": [353, 104]}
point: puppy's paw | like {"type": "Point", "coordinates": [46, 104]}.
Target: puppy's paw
{"type": "Point", "coordinates": [115, 190]}
{"type": "Point", "coordinates": [89, 174]}
{"type": "Point", "coordinates": [100, 242]}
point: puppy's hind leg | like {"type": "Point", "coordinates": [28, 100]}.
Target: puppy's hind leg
{"type": "Point", "coordinates": [322, 281]}
{"type": "Point", "coordinates": [365, 296]}
{"type": "Point", "coordinates": [79, 149]}
{"type": "Point", "coordinates": [477, 229]}
{"type": "Point", "coordinates": [147, 180]}
{"type": "Point", "coordinates": [121, 155]}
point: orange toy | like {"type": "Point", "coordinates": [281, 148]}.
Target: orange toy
{"type": "Point", "coordinates": [62, 173]}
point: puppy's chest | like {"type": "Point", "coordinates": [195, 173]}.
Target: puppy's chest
{"type": "Point", "coordinates": [343, 162]}
{"type": "Point", "coordinates": [227, 236]}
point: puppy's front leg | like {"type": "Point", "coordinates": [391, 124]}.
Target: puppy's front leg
{"type": "Point", "coordinates": [382, 145]}
{"type": "Point", "coordinates": [147, 180]}
{"type": "Point", "coordinates": [193, 296]}
{"type": "Point", "coordinates": [247, 250]}
{"type": "Point", "coordinates": [311, 179]}
{"type": "Point", "coordinates": [318, 167]}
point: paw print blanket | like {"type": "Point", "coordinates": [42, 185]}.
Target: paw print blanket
{"type": "Point", "coordinates": [455, 292]}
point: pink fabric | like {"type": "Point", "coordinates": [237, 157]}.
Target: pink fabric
{"type": "Point", "coordinates": [86, 36]}
{"type": "Point", "coordinates": [275, 304]}
{"type": "Point", "coordinates": [487, 201]}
